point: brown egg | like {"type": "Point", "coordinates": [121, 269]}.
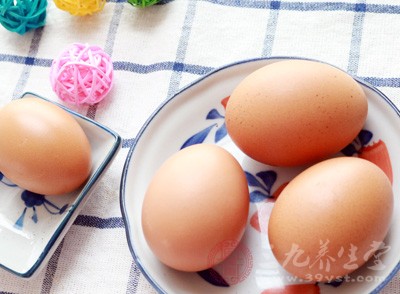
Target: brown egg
{"type": "Point", "coordinates": [43, 149]}
{"type": "Point", "coordinates": [331, 218]}
{"type": "Point", "coordinates": [196, 207]}
{"type": "Point", "coordinates": [295, 112]}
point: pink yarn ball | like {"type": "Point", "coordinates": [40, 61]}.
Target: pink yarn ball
{"type": "Point", "coordinates": [82, 74]}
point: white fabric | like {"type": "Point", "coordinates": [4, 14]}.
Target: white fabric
{"type": "Point", "coordinates": [158, 50]}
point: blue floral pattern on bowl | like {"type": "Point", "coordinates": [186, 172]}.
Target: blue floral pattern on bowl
{"type": "Point", "coordinates": [32, 200]}
{"type": "Point", "coordinates": [219, 123]}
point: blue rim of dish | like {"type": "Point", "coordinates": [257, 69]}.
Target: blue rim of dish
{"type": "Point", "coordinates": [83, 193]}
{"type": "Point", "coordinates": [128, 232]}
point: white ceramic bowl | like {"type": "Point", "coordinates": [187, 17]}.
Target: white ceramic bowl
{"type": "Point", "coordinates": [196, 115]}
{"type": "Point", "coordinates": [32, 225]}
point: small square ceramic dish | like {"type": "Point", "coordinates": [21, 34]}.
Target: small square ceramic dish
{"type": "Point", "coordinates": [32, 225]}
{"type": "Point", "coordinates": [197, 115]}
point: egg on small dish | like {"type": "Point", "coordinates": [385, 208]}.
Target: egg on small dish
{"type": "Point", "coordinates": [43, 149]}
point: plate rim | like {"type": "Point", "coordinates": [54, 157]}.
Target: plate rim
{"type": "Point", "coordinates": [152, 116]}
{"type": "Point", "coordinates": [84, 193]}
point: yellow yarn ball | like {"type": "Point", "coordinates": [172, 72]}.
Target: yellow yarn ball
{"type": "Point", "coordinates": [80, 7]}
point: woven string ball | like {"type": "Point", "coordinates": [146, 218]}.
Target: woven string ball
{"type": "Point", "coordinates": [143, 3]}
{"type": "Point", "coordinates": [21, 16]}
{"type": "Point", "coordinates": [82, 74]}
{"type": "Point", "coordinates": [80, 7]}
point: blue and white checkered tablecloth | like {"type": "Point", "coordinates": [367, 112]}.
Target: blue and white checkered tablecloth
{"type": "Point", "coordinates": [155, 52]}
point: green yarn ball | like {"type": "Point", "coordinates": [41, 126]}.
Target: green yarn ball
{"type": "Point", "coordinates": [142, 3]}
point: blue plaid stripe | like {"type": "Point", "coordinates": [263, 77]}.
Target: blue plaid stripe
{"type": "Point", "coordinates": [112, 32]}
{"type": "Point", "coordinates": [161, 66]}
{"type": "Point", "coordinates": [29, 61]}
{"type": "Point", "coordinates": [133, 281]}
{"type": "Point", "coordinates": [188, 68]}
{"type": "Point", "coordinates": [310, 6]}
{"type": "Point", "coordinates": [271, 29]}
{"type": "Point", "coordinates": [356, 38]}
{"type": "Point", "coordinates": [51, 269]}
{"type": "Point", "coordinates": [180, 56]}
{"type": "Point", "coordinates": [98, 222]}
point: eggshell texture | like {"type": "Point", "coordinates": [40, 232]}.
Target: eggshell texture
{"type": "Point", "coordinates": [328, 220]}
{"type": "Point", "coordinates": [43, 149]}
{"type": "Point", "coordinates": [197, 201]}
{"type": "Point", "coordinates": [295, 112]}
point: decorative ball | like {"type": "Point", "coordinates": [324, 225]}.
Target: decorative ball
{"type": "Point", "coordinates": [143, 3]}
{"type": "Point", "coordinates": [80, 7]}
{"type": "Point", "coordinates": [82, 74]}
{"type": "Point", "coordinates": [21, 16]}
